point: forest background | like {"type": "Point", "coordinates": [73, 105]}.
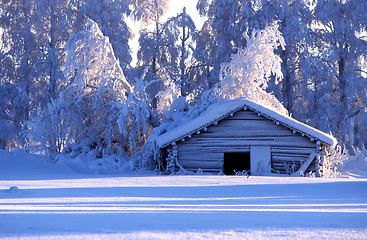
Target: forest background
{"type": "Point", "coordinates": [68, 86]}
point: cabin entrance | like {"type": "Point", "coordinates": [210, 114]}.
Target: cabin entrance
{"type": "Point", "coordinates": [236, 161]}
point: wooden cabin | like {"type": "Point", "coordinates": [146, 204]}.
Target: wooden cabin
{"type": "Point", "coordinates": [241, 136]}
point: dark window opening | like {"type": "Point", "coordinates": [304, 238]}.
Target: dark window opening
{"type": "Point", "coordinates": [236, 162]}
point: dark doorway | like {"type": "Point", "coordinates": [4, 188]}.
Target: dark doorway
{"type": "Point", "coordinates": [236, 161]}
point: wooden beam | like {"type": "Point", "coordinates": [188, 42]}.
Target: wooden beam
{"type": "Point", "coordinates": [304, 167]}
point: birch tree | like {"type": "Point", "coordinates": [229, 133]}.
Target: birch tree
{"type": "Point", "coordinates": [89, 106]}
{"type": "Point", "coordinates": [248, 72]}
{"type": "Point", "coordinates": [343, 49]}
{"type": "Point", "coordinates": [110, 16]}
{"type": "Point", "coordinates": [18, 58]}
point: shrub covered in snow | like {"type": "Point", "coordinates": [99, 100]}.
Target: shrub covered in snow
{"type": "Point", "coordinates": [342, 161]}
{"type": "Point", "coordinates": [334, 161]}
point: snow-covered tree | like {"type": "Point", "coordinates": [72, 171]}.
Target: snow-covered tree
{"type": "Point", "coordinates": [221, 35]}
{"type": "Point", "coordinates": [204, 53]}
{"type": "Point", "coordinates": [342, 47]}
{"type": "Point", "coordinates": [183, 31]}
{"type": "Point", "coordinates": [35, 33]}
{"type": "Point", "coordinates": [88, 108]}
{"type": "Point", "coordinates": [18, 58]}
{"type": "Point", "coordinates": [250, 69]}
{"type": "Point", "coordinates": [135, 119]}
{"type": "Point", "coordinates": [167, 96]}
{"type": "Point", "coordinates": [156, 46]}
{"type": "Point", "coordinates": [153, 45]}
{"type": "Point", "coordinates": [110, 17]}
{"type": "Point", "coordinates": [52, 22]}
{"type": "Point", "coordinates": [96, 84]}
{"type": "Point", "coordinates": [294, 18]}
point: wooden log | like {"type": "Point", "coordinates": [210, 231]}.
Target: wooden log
{"type": "Point", "coordinates": [214, 149]}
{"type": "Point", "coordinates": [286, 150]}
{"type": "Point", "coordinates": [290, 154]}
{"type": "Point", "coordinates": [246, 115]}
{"type": "Point", "coordinates": [237, 136]}
{"type": "Point", "coordinates": [264, 141]}
{"type": "Point", "coordinates": [200, 156]}
{"type": "Point", "coordinates": [200, 164]}
{"type": "Point", "coordinates": [251, 124]}
{"type": "Point", "coordinates": [194, 170]}
{"type": "Point", "coordinates": [243, 132]}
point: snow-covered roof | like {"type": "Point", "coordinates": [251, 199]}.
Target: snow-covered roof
{"type": "Point", "coordinates": [221, 110]}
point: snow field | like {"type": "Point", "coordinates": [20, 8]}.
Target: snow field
{"type": "Point", "coordinates": [39, 200]}
{"type": "Point", "coordinates": [191, 206]}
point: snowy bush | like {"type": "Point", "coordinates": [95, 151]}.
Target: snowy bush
{"type": "Point", "coordinates": [46, 131]}
{"type": "Point", "coordinates": [85, 160]}
{"type": "Point", "coordinates": [343, 161]}
{"type": "Point", "coordinates": [334, 161]}
{"type": "Point", "coordinates": [149, 157]}
{"type": "Point", "coordinates": [242, 173]}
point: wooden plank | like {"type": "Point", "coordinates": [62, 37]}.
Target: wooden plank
{"type": "Point", "coordinates": [202, 137]}
{"type": "Point", "coordinates": [281, 165]}
{"type": "Point", "coordinates": [212, 148]}
{"type": "Point", "coordinates": [205, 170]}
{"type": "Point", "coordinates": [260, 160]}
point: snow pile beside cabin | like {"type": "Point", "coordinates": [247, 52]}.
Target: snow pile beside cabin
{"type": "Point", "coordinates": [221, 110]}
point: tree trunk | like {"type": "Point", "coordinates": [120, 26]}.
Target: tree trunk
{"type": "Point", "coordinates": [52, 55]}
{"type": "Point", "coordinates": [286, 83]}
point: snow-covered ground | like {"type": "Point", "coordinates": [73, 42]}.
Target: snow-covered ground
{"type": "Point", "coordinates": [40, 200]}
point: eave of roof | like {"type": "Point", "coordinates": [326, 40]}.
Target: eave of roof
{"type": "Point", "coordinates": [221, 110]}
